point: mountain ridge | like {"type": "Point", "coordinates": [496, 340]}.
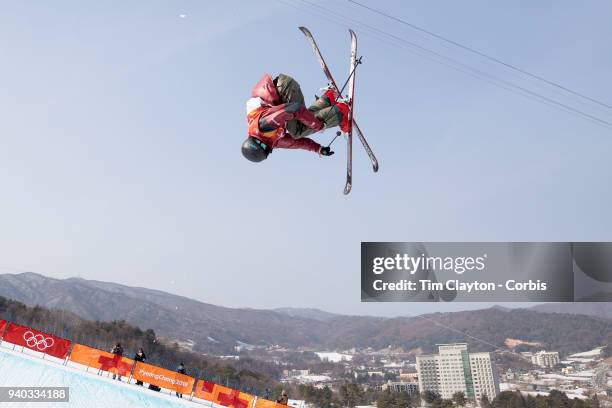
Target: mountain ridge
{"type": "Point", "coordinates": [598, 309]}
{"type": "Point", "coordinates": [180, 318]}
{"type": "Point", "coordinates": [96, 300]}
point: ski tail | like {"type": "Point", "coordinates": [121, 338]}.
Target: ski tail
{"type": "Point", "coordinates": [319, 56]}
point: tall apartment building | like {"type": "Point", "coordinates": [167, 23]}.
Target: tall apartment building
{"type": "Point", "coordinates": [545, 358]}
{"type": "Point", "coordinates": [453, 369]}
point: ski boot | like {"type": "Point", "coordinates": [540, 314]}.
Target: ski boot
{"type": "Point", "coordinates": [343, 106]}
{"type": "Point", "coordinates": [330, 94]}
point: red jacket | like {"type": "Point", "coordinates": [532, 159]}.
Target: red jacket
{"type": "Point", "coordinates": [263, 97]}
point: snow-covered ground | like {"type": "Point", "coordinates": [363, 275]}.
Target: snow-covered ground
{"type": "Point", "coordinates": [508, 386]}
{"type": "Point", "coordinates": [574, 360]}
{"type": "Point", "coordinates": [571, 396]}
{"type": "Point", "coordinates": [333, 356]}
{"type": "Point", "coordinates": [87, 389]}
{"type": "Point", "coordinates": [575, 377]}
{"type": "Point", "coordinates": [312, 378]}
{"type": "Point", "coordinates": [596, 352]}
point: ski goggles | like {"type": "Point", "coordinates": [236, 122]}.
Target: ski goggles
{"type": "Point", "coordinates": [264, 146]}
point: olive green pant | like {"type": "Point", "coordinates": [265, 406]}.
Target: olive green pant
{"type": "Point", "coordinates": [289, 91]}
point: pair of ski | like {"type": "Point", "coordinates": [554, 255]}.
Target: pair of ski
{"type": "Point", "coordinates": [351, 101]}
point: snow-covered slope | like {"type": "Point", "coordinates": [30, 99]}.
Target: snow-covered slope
{"type": "Point", "coordinates": [86, 389]}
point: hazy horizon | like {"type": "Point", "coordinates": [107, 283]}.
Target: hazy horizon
{"type": "Point", "coordinates": [468, 306]}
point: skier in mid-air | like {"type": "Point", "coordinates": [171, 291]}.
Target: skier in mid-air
{"type": "Point", "coordinates": [278, 118]}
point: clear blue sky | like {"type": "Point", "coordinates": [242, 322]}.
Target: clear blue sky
{"type": "Point", "coordinates": [120, 127]}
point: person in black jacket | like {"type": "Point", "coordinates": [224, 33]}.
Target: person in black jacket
{"type": "Point", "coordinates": [140, 356]}
{"type": "Point", "coordinates": [181, 370]}
{"type": "Point", "coordinates": [118, 351]}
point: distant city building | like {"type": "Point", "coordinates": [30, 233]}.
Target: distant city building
{"type": "Point", "coordinates": [409, 377]}
{"type": "Point", "coordinates": [295, 373]}
{"type": "Point", "coordinates": [547, 359]}
{"type": "Point", "coordinates": [401, 386]}
{"type": "Point", "coordinates": [296, 403]}
{"type": "Point", "coordinates": [510, 374]}
{"type": "Point", "coordinates": [453, 370]}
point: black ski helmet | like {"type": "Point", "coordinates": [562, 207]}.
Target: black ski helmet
{"type": "Point", "coordinates": [255, 150]}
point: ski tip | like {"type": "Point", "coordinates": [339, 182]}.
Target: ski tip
{"type": "Point", "coordinates": [375, 167]}
{"type": "Point", "coordinates": [348, 186]}
{"type": "Point", "coordinates": [304, 30]}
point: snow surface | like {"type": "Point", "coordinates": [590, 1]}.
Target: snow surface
{"type": "Point", "coordinates": [575, 377]}
{"type": "Point", "coordinates": [87, 389]}
{"type": "Point", "coordinates": [507, 386]}
{"type": "Point", "coordinates": [596, 352]}
{"type": "Point", "coordinates": [572, 360]}
{"type": "Point", "coordinates": [571, 396]}
{"type": "Point", "coordinates": [333, 356]}
{"type": "Point", "coordinates": [313, 378]}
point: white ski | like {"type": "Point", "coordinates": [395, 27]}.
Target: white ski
{"type": "Point", "coordinates": [332, 82]}
{"type": "Point", "coordinates": [351, 97]}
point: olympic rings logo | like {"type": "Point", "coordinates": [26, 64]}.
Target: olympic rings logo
{"type": "Point", "coordinates": [37, 341]}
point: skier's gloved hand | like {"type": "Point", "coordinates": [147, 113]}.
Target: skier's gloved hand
{"type": "Point", "coordinates": [325, 151]}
